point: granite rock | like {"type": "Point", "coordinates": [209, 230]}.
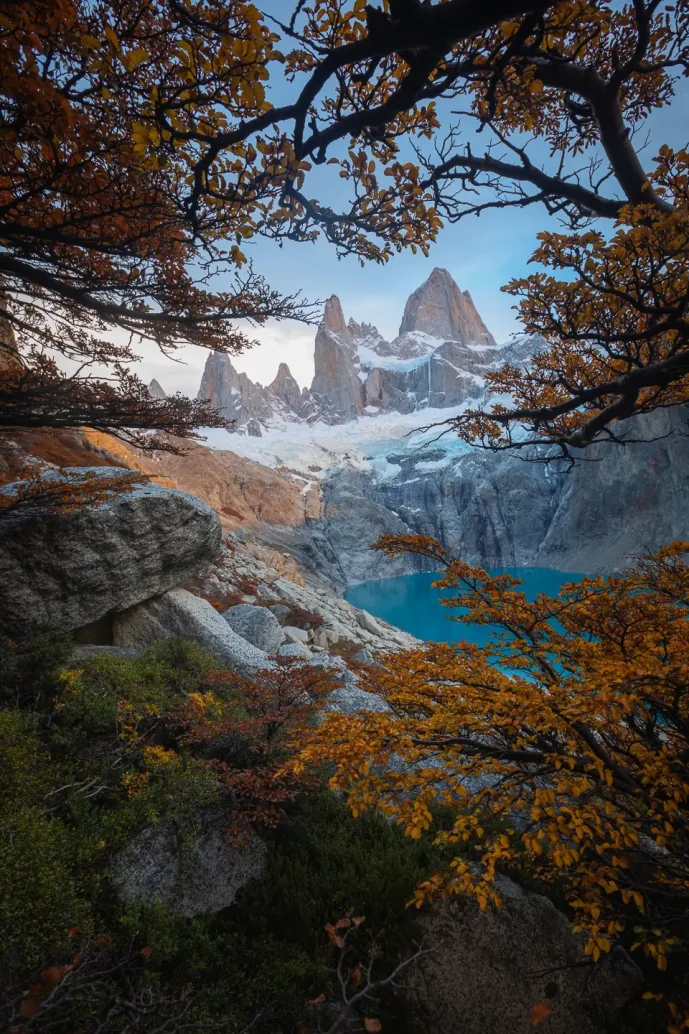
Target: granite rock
{"type": "Point", "coordinates": [70, 569]}
{"type": "Point", "coordinates": [192, 875]}
{"type": "Point", "coordinates": [490, 968]}
{"type": "Point", "coordinates": [180, 613]}
{"type": "Point", "coordinates": [257, 625]}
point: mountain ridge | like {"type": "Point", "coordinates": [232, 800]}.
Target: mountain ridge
{"type": "Point", "coordinates": [439, 359]}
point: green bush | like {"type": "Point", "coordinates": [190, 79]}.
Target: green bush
{"type": "Point", "coordinates": [39, 900]}
{"type": "Point", "coordinates": [89, 756]}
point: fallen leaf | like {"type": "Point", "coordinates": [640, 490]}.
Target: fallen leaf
{"type": "Point", "coordinates": [540, 1012]}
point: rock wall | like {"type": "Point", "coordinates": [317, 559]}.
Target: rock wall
{"type": "Point", "coordinates": [500, 510]}
{"type": "Point", "coordinates": [440, 309]}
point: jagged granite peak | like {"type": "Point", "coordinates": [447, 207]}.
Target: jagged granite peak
{"type": "Point", "coordinates": [233, 394]}
{"type": "Point", "coordinates": [248, 404]}
{"type": "Point", "coordinates": [333, 317]}
{"type": "Point", "coordinates": [440, 309]}
{"type": "Point", "coordinates": [336, 378]}
{"type": "Point", "coordinates": [286, 388]}
{"type": "Point", "coordinates": [155, 390]}
{"type": "Point", "coordinates": [365, 335]}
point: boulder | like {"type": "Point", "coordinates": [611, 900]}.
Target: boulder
{"type": "Point", "coordinates": [67, 570]}
{"type": "Point", "coordinates": [280, 611]}
{"type": "Point", "coordinates": [320, 639]}
{"type": "Point", "coordinates": [297, 650]}
{"type": "Point", "coordinates": [492, 967]}
{"type": "Point", "coordinates": [180, 613]}
{"type": "Point", "coordinates": [368, 622]}
{"type": "Point", "coordinates": [294, 634]}
{"type": "Point", "coordinates": [255, 624]}
{"type": "Point", "coordinates": [364, 656]}
{"type": "Point", "coordinates": [191, 875]}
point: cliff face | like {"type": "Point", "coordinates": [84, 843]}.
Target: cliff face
{"type": "Point", "coordinates": [501, 511]}
{"type": "Point", "coordinates": [336, 381]}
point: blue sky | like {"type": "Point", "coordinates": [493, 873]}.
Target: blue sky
{"type": "Point", "coordinates": [482, 254]}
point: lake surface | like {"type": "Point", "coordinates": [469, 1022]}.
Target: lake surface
{"type": "Point", "coordinates": [410, 603]}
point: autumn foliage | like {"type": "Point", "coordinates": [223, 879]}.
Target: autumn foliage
{"type": "Point", "coordinates": [99, 247]}
{"type": "Point", "coordinates": [144, 145]}
{"type": "Point", "coordinates": [561, 747]}
{"type": "Point", "coordinates": [277, 707]}
{"type": "Point", "coordinates": [40, 490]}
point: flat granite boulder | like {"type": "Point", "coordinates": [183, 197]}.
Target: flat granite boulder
{"type": "Point", "coordinates": [67, 570]}
{"type": "Point", "coordinates": [180, 613]}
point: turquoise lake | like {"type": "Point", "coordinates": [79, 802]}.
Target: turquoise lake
{"type": "Point", "coordinates": [410, 603]}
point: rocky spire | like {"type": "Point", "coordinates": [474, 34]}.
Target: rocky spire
{"type": "Point", "coordinates": [440, 309]}
{"type": "Point", "coordinates": [333, 317]}
{"type": "Point", "coordinates": [156, 390]}
{"type": "Point", "coordinates": [335, 377]}
{"type": "Point", "coordinates": [286, 388]}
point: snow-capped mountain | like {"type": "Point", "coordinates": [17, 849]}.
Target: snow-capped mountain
{"type": "Point", "coordinates": [439, 359]}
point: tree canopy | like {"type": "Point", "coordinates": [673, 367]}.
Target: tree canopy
{"type": "Point", "coordinates": [560, 748]}
{"type": "Point", "coordinates": [145, 144]}
{"type": "Point", "coordinates": [100, 245]}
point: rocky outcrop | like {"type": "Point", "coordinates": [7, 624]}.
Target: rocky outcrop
{"type": "Point", "coordinates": [242, 493]}
{"type": "Point", "coordinates": [180, 613]}
{"type": "Point", "coordinates": [66, 570]}
{"type": "Point", "coordinates": [241, 563]}
{"type": "Point", "coordinates": [233, 394]}
{"type": "Point", "coordinates": [193, 874]}
{"type": "Point", "coordinates": [440, 309]}
{"type": "Point", "coordinates": [491, 969]}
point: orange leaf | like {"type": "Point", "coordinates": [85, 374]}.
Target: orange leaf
{"type": "Point", "coordinates": [371, 1025]}
{"type": "Point", "coordinates": [333, 937]}
{"type": "Point", "coordinates": [54, 974]}
{"type": "Point", "coordinates": [540, 1011]}
{"type": "Point", "coordinates": [29, 1008]}
{"type": "Point", "coordinates": [317, 1001]}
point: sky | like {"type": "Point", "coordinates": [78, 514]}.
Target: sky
{"type": "Point", "coordinates": [482, 254]}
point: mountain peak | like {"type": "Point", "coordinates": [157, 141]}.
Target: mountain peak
{"type": "Point", "coordinates": [333, 317]}
{"type": "Point", "coordinates": [283, 373]}
{"type": "Point", "coordinates": [439, 308]}
{"type": "Point", "coordinates": [156, 390]}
